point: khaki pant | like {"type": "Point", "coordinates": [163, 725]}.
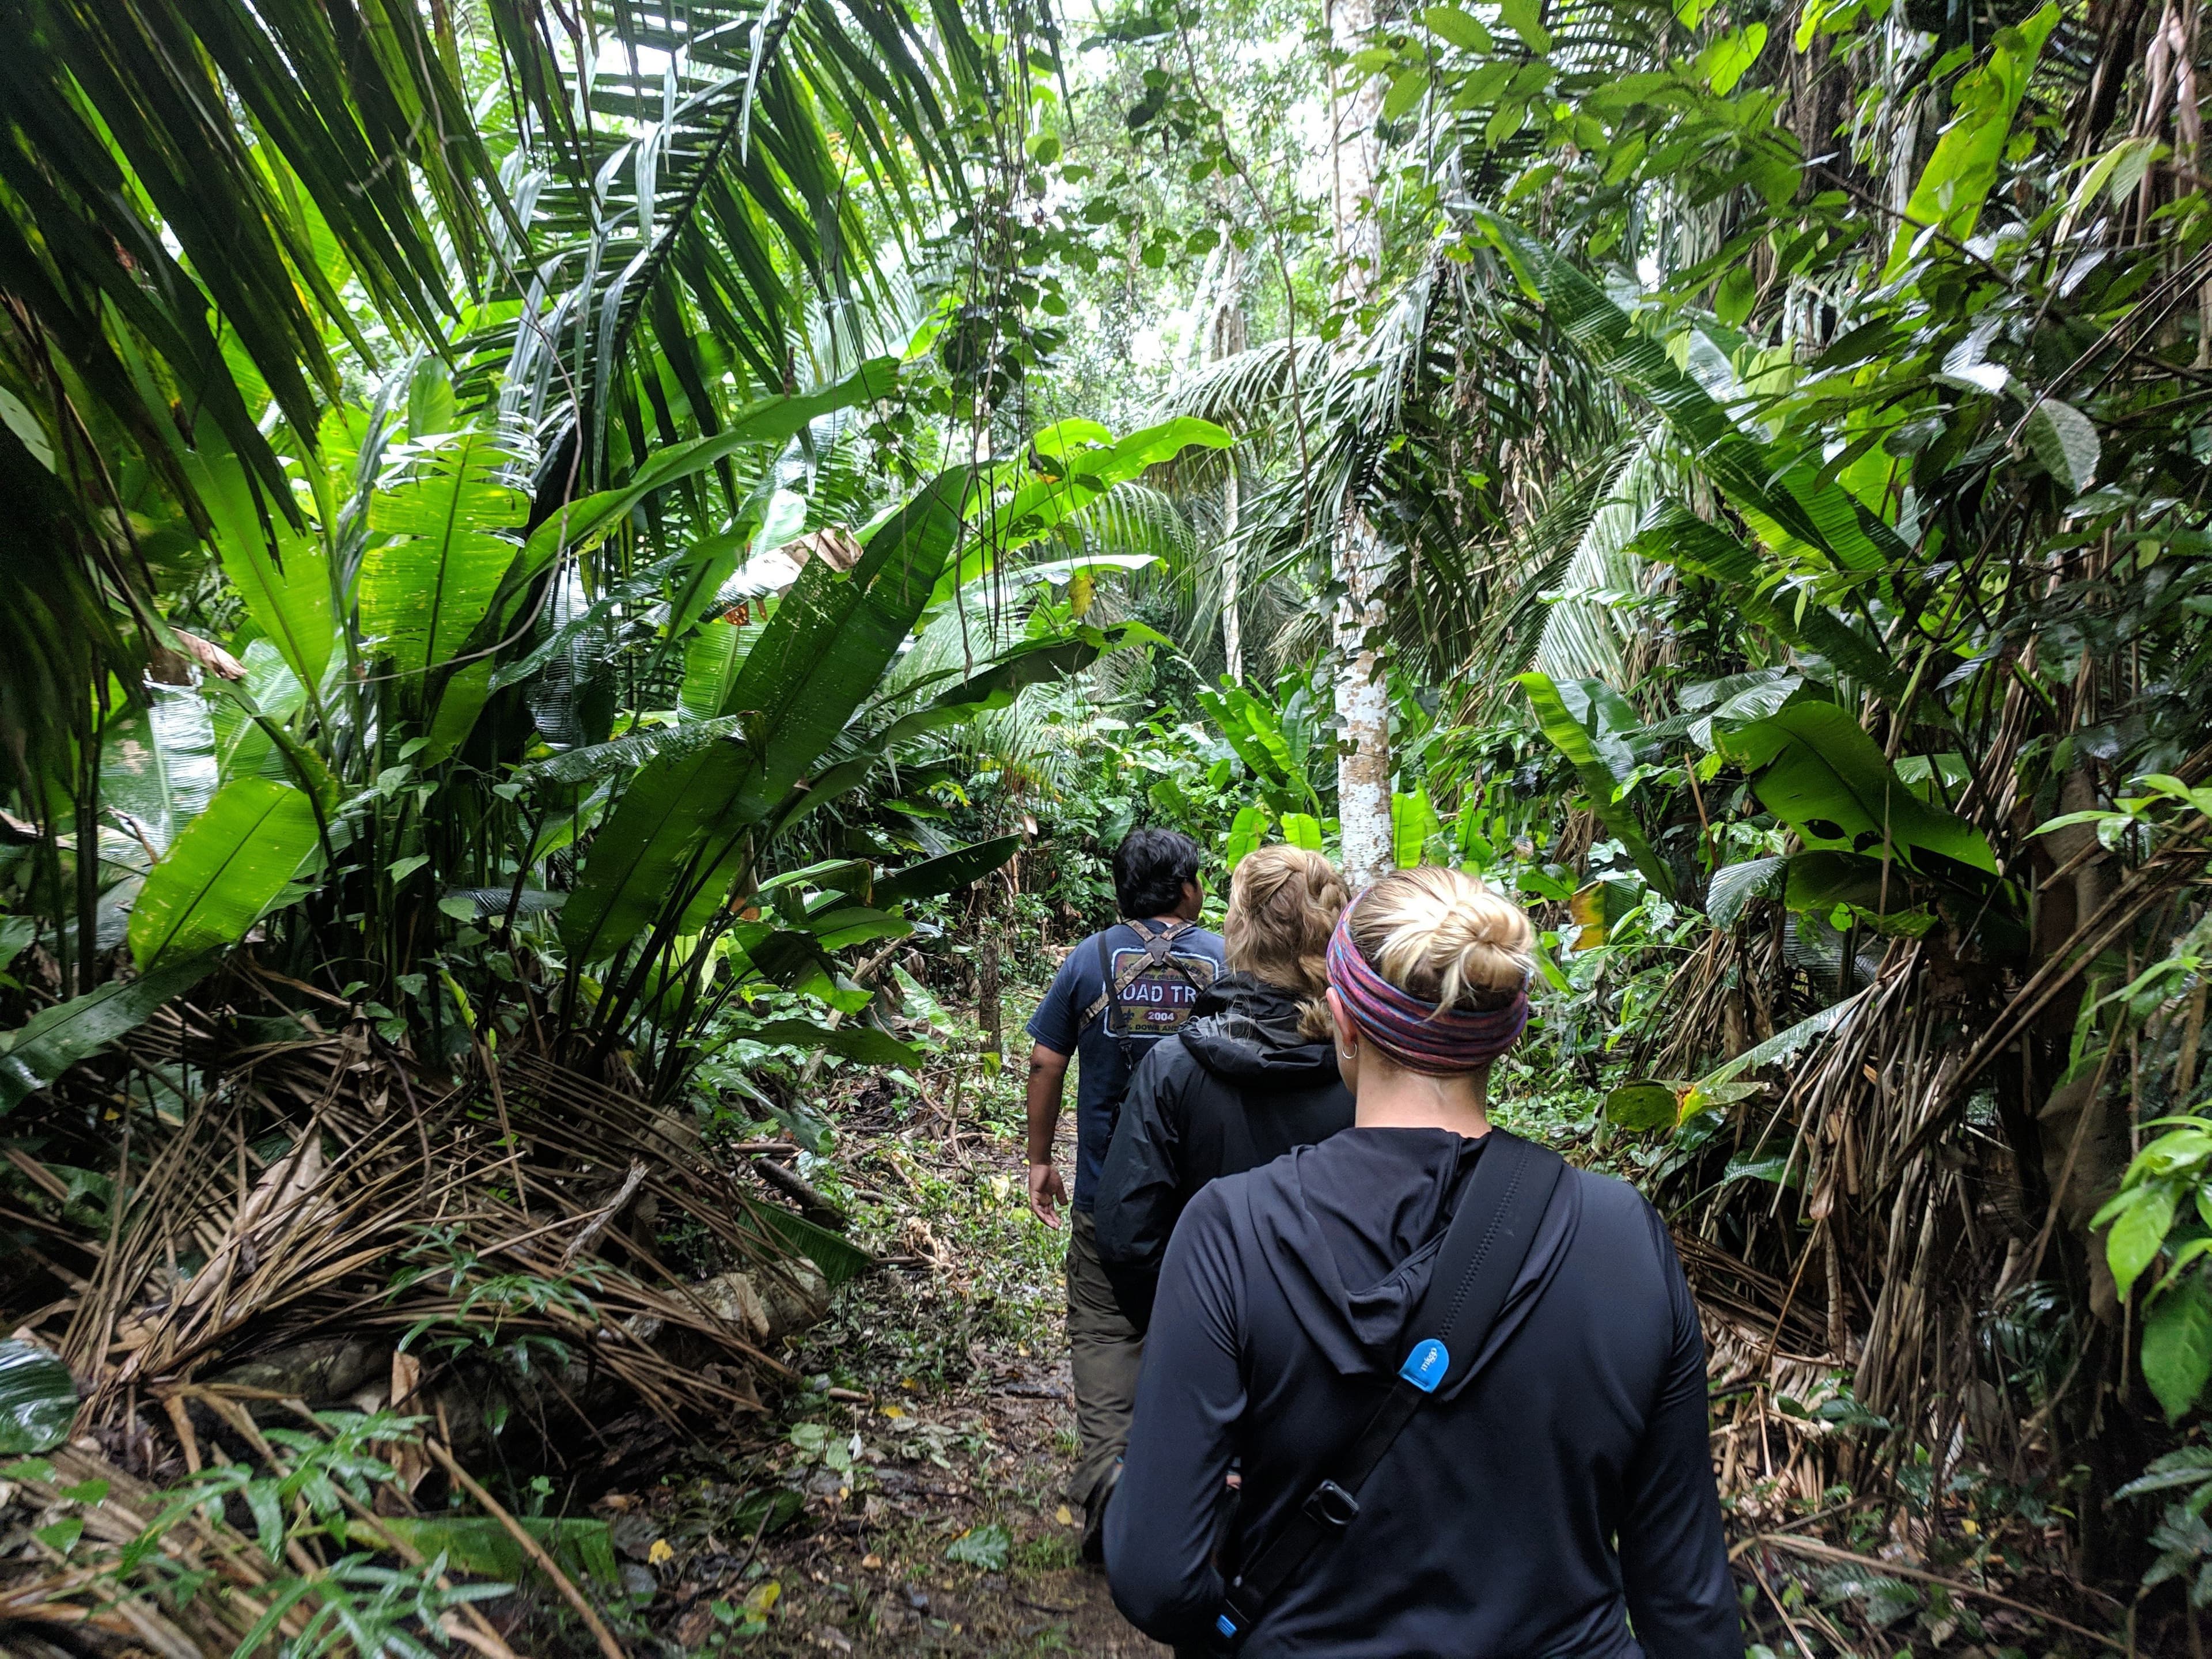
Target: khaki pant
{"type": "Point", "coordinates": [1106, 1352]}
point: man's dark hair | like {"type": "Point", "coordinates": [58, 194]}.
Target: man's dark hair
{"type": "Point", "coordinates": [1150, 869]}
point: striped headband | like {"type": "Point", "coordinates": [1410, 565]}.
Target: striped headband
{"type": "Point", "coordinates": [1416, 1033]}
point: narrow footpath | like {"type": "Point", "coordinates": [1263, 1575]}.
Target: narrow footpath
{"type": "Point", "coordinates": [907, 1498]}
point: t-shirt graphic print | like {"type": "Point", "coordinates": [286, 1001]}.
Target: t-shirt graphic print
{"type": "Point", "coordinates": [1153, 998]}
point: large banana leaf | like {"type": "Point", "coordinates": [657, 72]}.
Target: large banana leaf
{"type": "Point", "coordinates": [227, 867]}
{"type": "Point", "coordinates": [833, 637]}
{"type": "Point", "coordinates": [157, 764]}
{"type": "Point", "coordinates": [1587, 730]}
{"type": "Point", "coordinates": [947, 873]}
{"type": "Point", "coordinates": [818, 658]}
{"type": "Point", "coordinates": [285, 581]}
{"type": "Point", "coordinates": [423, 591]}
{"type": "Point", "coordinates": [1817, 770]}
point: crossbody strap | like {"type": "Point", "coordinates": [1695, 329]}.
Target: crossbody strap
{"type": "Point", "coordinates": [1483, 1252]}
{"type": "Point", "coordinates": [1156, 952]}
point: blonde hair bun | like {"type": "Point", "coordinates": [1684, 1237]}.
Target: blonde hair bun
{"type": "Point", "coordinates": [1283, 906]}
{"type": "Point", "coordinates": [1443, 936]}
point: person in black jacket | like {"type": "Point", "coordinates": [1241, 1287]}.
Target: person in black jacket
{"type": "Point", "coordinates": [1252, 1075]}
{"type": "Point", "coordinates": [1558, 1496]}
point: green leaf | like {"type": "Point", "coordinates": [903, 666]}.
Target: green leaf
{"type": "Point", "coordinates": [773, 422]}
{"type": "Point", "coordinates": [986, 1546]}
{"type": "Point", "coordinates": [1738, 293]}
{"type": "Point", "coordinates": [864, 1043]}
{"type": "Point", "coordinates": [1525, 19]}
{"type": "Point", "coordinates": [1723, 63]}
{"type": "Point", "coordinates": [711, 657]}
{"type": "Point", "coordinates": [2138, 1233]}
{"type": "Point", "coordinates": [1084, 472]}
{"type": "Point", "coordinates": [1302, 829]}
{"type": "Point", "coordinates": [1815, 768]}
{"type": "Point", "coordinates": [1675, 536]}
{"type": "Point", "coordinates": [1642, 1106]}
{"type": "Point", "coordinates": [948, 872]}
{"type": "Point", "coordinates": [2177, 1345]}
{"type": "Point", "coordinates": [998, 684]}
{"type": "Point", "coordinates": [1734, 885]}
{"type": "Point", "coordinates": [838, 1260]}
{"type": "Point", "coordinates": [157, 764]}
{"type": "Point", "coordinates": [1713, 1088]}
{"type": "Point", "coordinates": [1593, 746]}
{"type": "Point", "coordinates": [287, 586]}
{"type": "Point", "coordinates": [55, 1038]}
{"type": "Point", "coordinates": [672, 835]}
{"type": "Point", "coordinates": [1781, 495]}
{"type": "Point", "coordinates": [1404, 93]}
{"type": "Point", "coordinates": [423, 591]}
{"type": "Point", "coordinates": [2065, 442]}
{"type": "Point", "coordinates": [1461, 29]}
{"type": "Point", "coordinates": [1413, 821]}
{"type": "Point", "coordinates": [483, 1547]}
{"type": "Point", "coordinates": [1963, 167]}
{"type": "Point", "coordinates": [228, 867]}
{"type": "Point", "coordinates": [38, 1398]}
{"type": "Point", "coordinates": [1245, 835]}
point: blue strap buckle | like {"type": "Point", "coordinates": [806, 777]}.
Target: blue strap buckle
{"type": "Point", "coordinates": [1426, 1366]}
{"type": "Point", "coordinates": [1227, 1627]}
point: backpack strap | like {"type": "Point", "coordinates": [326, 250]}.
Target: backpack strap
{"type": "Point", "coordinates": [1157, 954]}
{"type": "Point", "coordinates": [1483, 1252]}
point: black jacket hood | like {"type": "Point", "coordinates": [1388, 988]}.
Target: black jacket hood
{"type": "Point", "coordinates": [1353, 1228]}
{"type": "Point", "coordinates": [1246, 1030]}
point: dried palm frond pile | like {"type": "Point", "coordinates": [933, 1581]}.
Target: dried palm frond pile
{"type": "Point", "coordinates": [291, 1212]}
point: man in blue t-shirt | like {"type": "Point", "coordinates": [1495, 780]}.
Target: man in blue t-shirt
{"type": "Point", "coordinates": [1118, 992]}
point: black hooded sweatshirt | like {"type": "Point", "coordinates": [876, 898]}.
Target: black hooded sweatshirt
{"type": "Point", "coordinates": [1240, 1087]}
{"type": "Point", "coordinates": [1559, 1501]}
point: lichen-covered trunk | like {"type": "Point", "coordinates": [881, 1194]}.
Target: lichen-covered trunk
{"type": "Point", "coordinates": [1363, 704]}
{"type": "Point", "coordinates": [1361, 560]}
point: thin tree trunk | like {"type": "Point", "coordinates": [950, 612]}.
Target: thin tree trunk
{"type": "Point", "coordinates": [987, 1004]}
{"type": "Point", "coordinates": [1224, 337]}
{"type": "Point", "coordinates": [1361, 559]}
{"type": "Point", "coordinates": [1233, 581]}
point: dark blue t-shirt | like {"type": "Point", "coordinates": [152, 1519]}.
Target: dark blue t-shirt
{"type": "Point", "coordinates": [1105, 1062]}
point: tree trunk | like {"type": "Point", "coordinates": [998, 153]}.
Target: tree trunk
{"type": "Point", "coordinates": [1362, 561]}
{"type": "Point", "coordinates": [1233, 581]}
{"type": "Point", "coordinates": [1224, 337]}
{"type": "Point", "coordinates": [987, 1004]}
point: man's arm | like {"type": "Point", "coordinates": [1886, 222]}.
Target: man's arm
{"type": "Point", "coordinates": [1048, 1077]}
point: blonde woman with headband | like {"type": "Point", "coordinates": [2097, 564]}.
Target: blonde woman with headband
{"type": "Point", "coordinates": [1464, 1382]}
{"type": "Point", "coordinates": [1252, 1075]}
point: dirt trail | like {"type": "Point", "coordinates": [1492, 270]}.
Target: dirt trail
{"type": "Point", "coordinates": [929, 1445]}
